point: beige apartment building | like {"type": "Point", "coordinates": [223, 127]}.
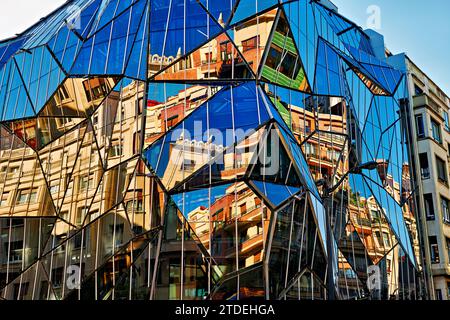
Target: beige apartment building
{"type": "Point", "coordinates": [432, 155]}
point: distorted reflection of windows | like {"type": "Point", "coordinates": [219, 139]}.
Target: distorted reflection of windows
{"type": "Point", "coordinates": [27, 196]}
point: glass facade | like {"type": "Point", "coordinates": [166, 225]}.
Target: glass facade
{"type": "Point", "coordinates": [195, 149]}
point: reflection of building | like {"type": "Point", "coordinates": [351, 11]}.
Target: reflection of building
{"type": "Point", "coordinates": [239, 211]}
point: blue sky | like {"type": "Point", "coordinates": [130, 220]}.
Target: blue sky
{"type": "Point", "coordinates": [419, 28]}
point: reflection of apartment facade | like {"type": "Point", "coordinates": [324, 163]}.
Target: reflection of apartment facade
{"type": "Point", "coordinates": [238, 212]}
{"type": "Point", "coordinates": [78, 177]}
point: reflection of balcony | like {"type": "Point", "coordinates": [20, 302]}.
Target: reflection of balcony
{"type": "Point", "coordinates": [250, 243]}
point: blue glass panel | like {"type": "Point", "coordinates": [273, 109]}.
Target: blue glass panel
{"type": "Point", "coordinates": [138, 59]}
{"type": "Point", "coordinates": [275, 193]}
{"type": "Point", "coordinates": [394, 214]}
{"type": "Point", "coordinates": [8, 49]}
{"type": "Point", "coordinates": [189, 201]}
{"type": "Point", "coordinates": [320, 216]}
{"type": "Point", "coordinates": [108, 11]}
{"type": "Point", "coordinates": [15, 98]}
{"type": "Point", "coordinates": [248, 8]}
{"type": "Point", "coordinates": [123, 34]}
{"type": "Point", "coordinates": [179, 27]}
{"type": "Point", "coordinates": [213, 122]}
{"type": "Point", "coordinates": [65, 47]}
{"type": "Point", "coordinates": [220, 10]}
{"type": "Point", "coordinates": [41, 74]}
{"type": "Point", "coordinates": [108, 50]}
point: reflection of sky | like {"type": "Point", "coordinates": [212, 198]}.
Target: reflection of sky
{"type": "Point", "coordinates": [163, 91]}
{"type": "Point", "coordinates": [193, 200]}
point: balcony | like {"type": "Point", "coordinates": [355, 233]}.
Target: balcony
{"type": "Point", "coordinates": [424, 100]}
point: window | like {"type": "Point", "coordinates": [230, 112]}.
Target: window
{"type": "Point", "coordinates": [4, 199]}
{"type": "Point", "coordinates": [436, 130]}
{"type": "Point", "coordinates": [16, 251]}
{"type": "Point", "coordinates": [420, 126]}
{"type": "Point", "coordinates": [445, 209]}
{"type": "Point", "coordinates": [447, 240]}
{"type": "Point", "coordinates": [429, 206]}
{"type": "Point", "coordinates": [26, 196]}
{"type": "Point", "coordinates": [441, 170]}
{"type": "Point", "coordinates": [116, 149]}
{"type": "Point", "coordinates": [54, 189]}
{"type": "Point", "coordinates": [386, 239]}
{"type": "Point", "coordinates": [81, 213]}
{"type": "Point", "coordinates": [439, 294]}
{"type": "Point", "coordinates": [434, 248]}
{"type": "Point", "coordinates": [446, 121]}
{"type": "Point", "coordinates": [417, 90]}
{"type": "Point", "coordinates": [21, 290]}
{"type": "Point", "coordinates": [424, 166]}
{"type": "Point", "coordinates": [250, 44]}
{"type": "Point", "coordinates": [86, 182]}
{"type": "Point", "coordinates": [448, 290]}
{"type": "Point", "coordinates": [243, 208]}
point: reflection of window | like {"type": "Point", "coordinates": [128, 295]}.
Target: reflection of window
{"type": "Point", "coordinates": [15, 251]}
{"type": "Point", "coordinates": [243, 208]}
{"type": "Point", "coordinates": [441, 170]}
{"type": "Point", "coordinates": [4, 199]}
{"type": "Point", "coordinates": [86, 182]}
{"type": "Point", "coordinates": [284, 62]}
{"type": "Point", "coordinates": [57, 277]}
{"type": "Point", "coordinates": [386, 239]}
{"type": "Point", "coordinates": [95, 88]}
{"type": "Point", "coordinates": [249, 44]}
{"type": "Point", "coordinates": [134, 206]}
{"type": "Point", "coordinates": [436, 130]}
{"type": "Point", "coordinates": [116, 149]}
{"type": "Point", "coordinates": [420, 126]}
{"type": "Point", "coordinates": [21, 290]}
{"type": "Point", "coordinates": [429, 206]}
{"type": "Point", "coordinates": [424, 167]}
{"type": "Point", "coordinates": [81, 213]}
{"type": "Point", "coordinates": [434, 249]}
{"type": "Point", "coordinates": [26, 196]}
{"type": "Point", "coordinates": [226, 50]}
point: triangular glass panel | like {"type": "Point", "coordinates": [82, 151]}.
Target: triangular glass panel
{"type": "Point", "coordinates": [276, 194]}
{"type": "Point", "coordinates": [79, 97]}
{"type": "Point", "coordinates": [15, 101]}
{"type": "Point", "coordinates": [282, 62]}
{"type": "Point", "coordinates": [247, 8]}
{"type": "Point", "coordinates": [169, 103]}
{"type": "Point", "coordinates": [41, 74]}
{"type": "Point", "coordinates": [234, 112]}
{"type": "Point", "coordinates": [58, 163]}
{"type": "Point", "coordinates": [250, 45]}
